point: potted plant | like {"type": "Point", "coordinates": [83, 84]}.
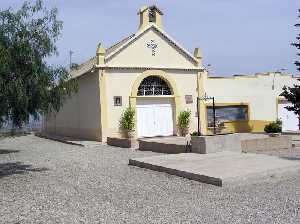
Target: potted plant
{"type": "Point", "coordinates": [274, 128]}
{"type": "Point", "coordinates": [127, 122]}
{"type": "Point", "coordinates": [184, 120]}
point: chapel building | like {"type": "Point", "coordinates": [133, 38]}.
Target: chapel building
{"type": "Point", "coordinates": [152, 73]}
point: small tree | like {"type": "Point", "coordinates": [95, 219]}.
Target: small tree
{"type": "Point", "coordinates": [184, 120]}
{"type": "Point", "coordinates": [292, 94]}
{"type": "Point", "coordinates": [127, 121]}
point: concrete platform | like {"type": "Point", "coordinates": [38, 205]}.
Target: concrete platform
{"type": "Point", "coordinates": [217, 168]}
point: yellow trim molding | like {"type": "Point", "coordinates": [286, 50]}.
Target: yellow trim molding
{"type": "Point", "coordinates": [103, 105]}
{"type": "Point", "coordinates": [201, 79]}
{"type": "Point", "coordinates": [246, 126]}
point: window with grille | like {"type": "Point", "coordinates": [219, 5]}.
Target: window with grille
{"type": "Point", "coordinates": [153, 86]}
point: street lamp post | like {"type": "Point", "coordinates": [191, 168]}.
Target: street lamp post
{"type": "Point", "coordinates": [205, 98]}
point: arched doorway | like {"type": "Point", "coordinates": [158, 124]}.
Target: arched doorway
{"type": "Point", "coordinates": [156, 103]}
{"type": "Point", "coordinates": [154, 86]}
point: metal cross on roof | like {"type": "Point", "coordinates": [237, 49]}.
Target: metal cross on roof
{"type": "Point", "coordinates": [153, 45]}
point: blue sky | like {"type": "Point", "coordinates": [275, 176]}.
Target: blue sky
{"type": "Point", "coordinates": [236, 37]}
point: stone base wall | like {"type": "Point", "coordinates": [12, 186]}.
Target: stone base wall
{"type": "Point", "coordinates": [122, 142]}
{"type": "Point", "coordinates": [216, 143]}
{"type": "Point", "coordinates": [161, 147]}
{"type": "Point", "coordinates": [269, 143]}
{"type": "Point", "coordinates": [235, 142]}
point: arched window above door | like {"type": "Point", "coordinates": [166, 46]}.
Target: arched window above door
{"type": "Point", "coordinates": [153, 86]}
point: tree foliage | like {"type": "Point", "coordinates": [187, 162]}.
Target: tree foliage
{"type": "Point", "coordinates": [297, 44]}
{"type": "Point", "coordinates": [28, 85]}
{"type": "Point", "coordinates": [292, 94]}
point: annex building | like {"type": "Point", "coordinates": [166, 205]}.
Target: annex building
{"type": "Point", "coordinates": [154, 74]}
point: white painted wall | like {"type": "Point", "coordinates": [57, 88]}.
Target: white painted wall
{"type": "Point", "coordinates": [255, 90]}
{"type": "Point", "coordinates": [290, 121]}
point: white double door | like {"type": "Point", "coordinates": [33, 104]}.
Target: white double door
{"type": "Point", "coordinates": [289, 119]}
{"type": "Point", "coordinates": [154, 117]}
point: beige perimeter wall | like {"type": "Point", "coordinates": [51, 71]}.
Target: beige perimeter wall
{"type": "Point", "coordinates": [255, 91]}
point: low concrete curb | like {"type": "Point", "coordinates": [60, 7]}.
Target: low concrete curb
{"type": "Point", "coordinates": [291, 133]}
{"type": "Point", "coordinates": [180, 173]}
{"type": "Point", "coordinates": [58, 139]}
{"type": "Point", "coordinates": [77, 142]}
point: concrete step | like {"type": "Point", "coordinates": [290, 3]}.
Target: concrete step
{"type": "Point", "coordinates": [169, 145]}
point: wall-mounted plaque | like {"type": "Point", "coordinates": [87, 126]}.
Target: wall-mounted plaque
{"type": "Point", "coordinates": [188, 99]}
{"type": "Point", "coordinates": [117, 100]}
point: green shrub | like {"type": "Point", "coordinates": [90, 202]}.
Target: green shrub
{"type": "Point", "coordinates": [274, 127]}
{"type": "Point", "coordinates": [127, 121]}
{"type": "Point", "coordinates": [184, 119]}
{"type": "Point", "coordinates": [195, 133]}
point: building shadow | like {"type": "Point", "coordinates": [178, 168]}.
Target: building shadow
{"type": "Point", "coordinates": [7, 151]}
{"type": "Point", "coordinates": [7, 169]}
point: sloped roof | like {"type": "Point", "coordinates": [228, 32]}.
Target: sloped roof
{"type": "Point", "coordinates": [83, 68]}
{"type": "Point", "coordinates": [89, 64]}
{"type": "Point", "coordinates": [120, 43]}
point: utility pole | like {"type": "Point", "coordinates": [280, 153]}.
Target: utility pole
{"type": "Point", "coordinates": [70, 54]}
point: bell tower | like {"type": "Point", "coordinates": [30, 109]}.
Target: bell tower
{"type": "Point", "coordinates": [150, 14]}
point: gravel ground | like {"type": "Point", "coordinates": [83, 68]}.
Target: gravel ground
{"type": "Point", "coordinates": [43, 181]}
